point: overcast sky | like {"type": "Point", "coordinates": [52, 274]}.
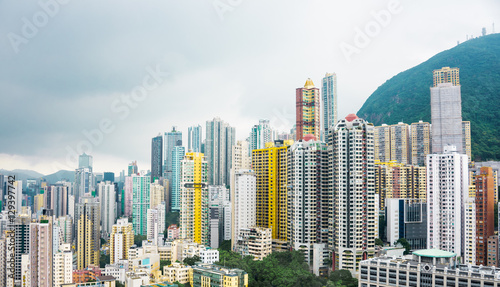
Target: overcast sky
{"type": "Point", "coordinates": [133, 69]}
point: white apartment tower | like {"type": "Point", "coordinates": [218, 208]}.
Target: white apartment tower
{"type": "Point", "coordinates": [108, 206]}
{"type": "Point", "coordinates": [63, 265]}
{"type": "Point", "coordinates": [308, 197]}
{"type": "Point", "coordinates": [328, 103]}
{"type": "Point", "coordinates": [243, 195]}
{"type": "Point", "coordinates": [354, 223]}
{"type": "Point", "coordinates": [447, 189]}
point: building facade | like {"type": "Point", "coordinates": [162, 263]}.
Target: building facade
{"type": "Point", "coordinates": [328, 103]}
{"type": "Point", "coordinates": [220, 138]}
{"type": "Point", "coordinates": [307, 111]}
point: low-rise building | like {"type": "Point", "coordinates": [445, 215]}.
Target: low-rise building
{"type": "Point", "coordinates": [217, 276]}
{"type": "Point", "coordinates": [209, 256]}
{"type": "Point", "coordinates": [429, 268]}
{"type": "Point", "coordinates": [177, 272]}
{"type": "Point", "coordinates": [256, 242]}
{"type": "Point", "coordinates": [117, 270]}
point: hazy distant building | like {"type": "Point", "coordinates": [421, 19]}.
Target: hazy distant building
{"type": "Point", "coordinates": [307, 111]}
{"type": "Point", "coordinates": [133, 169]}
{"type": "Point", "coordinates": [220, 138]}
{"type": "Point", "coordinates": [260, 135]}
{"type": "Point", "coordinates": [329, 103]}
{"type": "Point", "coordinates": [156, 158]}
{"type": "Point", "coordinates": [140, 203]}
{"type": "Point", "coordinates": [178, 153]}
{"type": "Point", "coordinates": [194, 138]}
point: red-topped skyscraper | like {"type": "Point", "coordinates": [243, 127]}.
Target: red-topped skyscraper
{"type": "Point", "coordinates": [307, 111]}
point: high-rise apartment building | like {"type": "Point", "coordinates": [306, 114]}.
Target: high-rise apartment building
{"type": "Point", "coordinates": [107, 198]}
{"type": "Point", "coordinates": [194, 138]}
{"type": "Point", "coordinates": [446, 75]}
{"type": "Point", "coordinates": [396, 180]}
{"type": "Point", "coordinates": [220, 214]}
{"type": "Point", "coordinates": [466, 139]}
{"type": "Point", "coordinates": [260, 135]}
{"type": "Point", "coordinates": [420, 134]}
{"type": "Point", "coordinates": [328, 103]}
{"type": "Point", "coordinates": [56, 198]}
{"type": "Point", "coordinates": [400, 143]}
{"type": "Point", "coordinates": [382, 143]}
{"type": "Point", "coordinates": [485, 213]}
{"type": "Point", "coordinates": [270, 167]}
{"type": "Point", "coordinates": [243, 195]}
{"type": "Point", "coordinates": [307, 111]}
{"type": "Point", "coordinates": [41, 252]}
{"type": "Point", "coordinates": [157, 194]}
{"type": "Point", "coordinates": [447, 189]}
{"type": "Point", "coordinates": [155, 222]}
{"type": "Point", "coordinates": [469, 232]}
{"type": "Point", "coordinates": [172, 139]}
{"type": "Point", "coordinates": [156, 158]}
{"type": "Point", "coordinates": [354, 224]}
{"type": "Point", "coordinates": [308, 198]}
{"type": "Point", "coordinates": [178, 153]}
{"type": "Point", "coordinates": [65, 224]}
{"type": "Point", "coordinates": [194, 198]}
{"type": "Point", "coordinates": [241, 157]}
{"type": "Point", "coordinates": [140, 202]}
{"type": "Point", "coordinates": [22, 242]}
{"type": "Point", "coordinates": [87, 218]}
{"type": "Point", "coordinates": [446, 111]}
{"type": "Point", "coordinates": [121, 239]}
{"type": "Point", "coordinates": [132, 168]}
{"type": "Point", "coordinates": [84, 183]}
{"type": "Point", "coordinates": [63, 265]}
{"type": "Point", "coordinates": [220, 139]}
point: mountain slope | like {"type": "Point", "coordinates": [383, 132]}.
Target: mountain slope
{"type": "Point", "coordinates": [406, 96]}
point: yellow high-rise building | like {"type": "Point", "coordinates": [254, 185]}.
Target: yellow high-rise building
{"type": "Point", "coordinates": [194, 198]}
{"type": "Point", "coordinates": [120, 240]}
{"type": "Point", "coordinates": [420, 142]}
{"type": "Point", "coordinates": [382, 141]}
{"type": "Point", "coordinates": [466, 140]}
{"type": "Point", "coordinates": [270, 167]}
{"type": "Point", "coordinates": [447, 75]}
{"type": "Point", "coordinates": [400, 143]}
{"type": "Point", "coordinates": [88, 244]}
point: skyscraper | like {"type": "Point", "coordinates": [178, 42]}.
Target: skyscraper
{"type": "Point", "coordinates": [132, 168]}
{"type": "Point", "coordinates": [84, 183]}
{"type": "Point", "coordinates": [172, 139]}
{"type": "Point", "coordinates": [329, 103]}
{"type": "Point", "coordinates": [157, 194]}
{"type": "Point", "coordinates": [447, 188]}
{"type": "Point", "coordinates": [41, 252]}
{"type": "Point", "coordinates": [270, 166]}
{"type": "Point", "coordinates": [63, 265]}
{"type": "Point", "coordinates": [307, 111]}
{"type": "Point", "coordinates": [155, 222]}
{"type": "Point", "coordinates": [420, 142]}
{"type": "Point", "coordinates": [156, 157]}
{"type": "Point", "coordinates": [260, 135]}
{"type": "Point", "coordinates": [194, 138]}
{"type": "Point", "coordinates": [244, 206]}
{"type": "Point", "coordinates": [140, 202]}
{"type": "Point", "coordinates": [466, 139]}
{"type": "Point", "coordinates": [446, 75]}
{"type": "Point", "coordinates": [85, 161]}
{"type": "Point", "coordinates": [354, 225]}
{"type": "Point", "coordinates": [382, 143]}
{"type": "Point", "coordinates": [88, 242]}
{"type": "Point", "coordinates": [194, 198]}
{"type": "Point", "coordinates": [22, 242]}
{"type": "Point", "coordinates": [121, 239]}
{"type": "Point", "coordinates": [107, 197]}
{"type": "Point", "coordinates": [400, 143]}
{"type": "Point", "coordinates": [178, 153]}
{"type": "Point", "coordinates": [446, 111]}
{"type": "Point", "coordinates": [220, 139]}
{"type": "Point", "coordinates": [308, 199]}
{"type": "Point", "coordinates": [485, 214]}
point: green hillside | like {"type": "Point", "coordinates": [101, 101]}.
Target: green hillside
{"type": "Point", "coordinates": [406, 96]}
